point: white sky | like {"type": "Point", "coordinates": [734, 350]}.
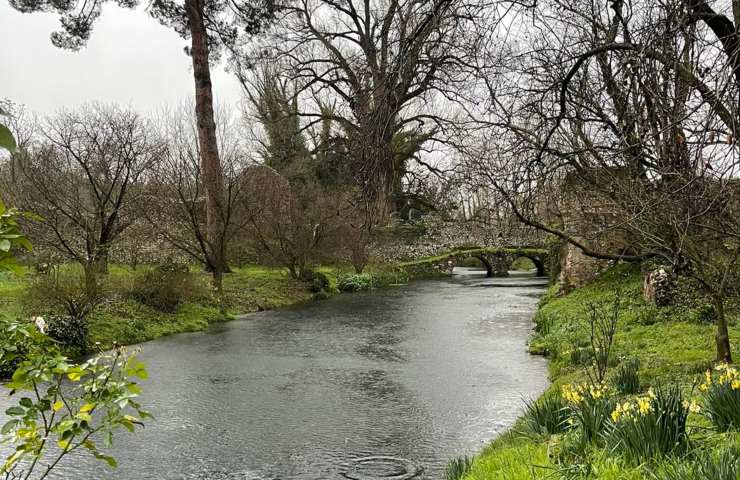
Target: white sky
{"type": "Point", "coordinates": [130, 59]}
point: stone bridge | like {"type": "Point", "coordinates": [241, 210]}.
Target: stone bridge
{"type": "Point", "coordinates": [497, 261]}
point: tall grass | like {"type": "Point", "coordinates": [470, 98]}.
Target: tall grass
{"type": "Point", "coordinates": [547, 415]}
{"type": "Point", "coordinates": [721, 465]}
{"type": "Point", "coordinates": [627, 377]}
{"type": "Point", "coordinates": [458, 467]}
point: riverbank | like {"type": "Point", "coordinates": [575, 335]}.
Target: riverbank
{"type": "Point", "coordinates": [121, 317]}
{"type": "Point", "coordinates": [674, 345]}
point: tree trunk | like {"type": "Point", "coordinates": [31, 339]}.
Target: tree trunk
{"type": "Point", "coordinates": [101, 262]}
{"type": "Point", "coordinates": [723, 337]}
{"type": "Point", "coordinates": [210, 161]}
{"type": "Point", "coordinates": [90, 270]}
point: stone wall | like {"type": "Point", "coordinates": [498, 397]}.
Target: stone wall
{"type": "Point", "coordinates": [577, 269]}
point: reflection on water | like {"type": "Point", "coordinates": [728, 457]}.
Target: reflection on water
{"type": "Point", "coordinates": [379, 381]}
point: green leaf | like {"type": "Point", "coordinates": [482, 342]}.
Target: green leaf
{"type": "Point", "coordinates": [6, 138]}
{"type": "Point", "coordinates": [112, 463]}
{"type": "Point", "coordinates": [15, 411]}
{"type": "Point", "coordinates": [8, 427]}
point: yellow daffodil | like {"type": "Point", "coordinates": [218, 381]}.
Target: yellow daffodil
{"type": "Point", "coordinates": [643, 405]}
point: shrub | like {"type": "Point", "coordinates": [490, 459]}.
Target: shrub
{"type": "Point", "coordinates": [627, 378]}
{"type": "Point", "coordinates": [319, 283]}
{"type": "Point", "coordinates": [651, 426]}
{"type": "Point", "coordinates": [68, 331]}
{"type": "Point", "coordinates": [722, 397]}
{"type": "Point", "coordinates": [458, 467]}
{"type": "Point", "coordinates": [63, 292]}
{"type": "Point", "coordinates": [165, 287]}
{"type": "Point", "coordinates": [546, 416]}
{"type": "Point", "coordinates": [722, 465]}
{"type": "Point", "coordinates": [589, 407]}
{"type": "Point", "coordinates": [355, 283]}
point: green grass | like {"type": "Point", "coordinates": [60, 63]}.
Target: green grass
{"type": "Point", "coordinates": [123, 320]}
{"type": "Point", "coordinates": [12, 288]}
{"type": "Point", "coordinates": [671, 345]}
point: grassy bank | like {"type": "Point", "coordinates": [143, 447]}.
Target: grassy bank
{"type": "Point", "coordinates": [123, 318]}
{"type": "Point", "coordinates": [674, 345]}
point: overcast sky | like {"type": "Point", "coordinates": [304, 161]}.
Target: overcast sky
{"type": "Point", "coordinates": [130, 59]}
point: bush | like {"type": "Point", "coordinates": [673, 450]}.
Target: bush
{"type": "Point", "coordinates": [627, 378]}
{"type": "Point", "coordinates": [355, 283]}
{"type": "Point", "coordinates": [546, 416]}
{"type": "Point", "coordinates": [165, 287]}
{"type": "Point", "coordinates": [652, 426]}
{"type": "Point", "coordinates": [68, 331]}
{"type": "Point", "coordinates": [63, 292]}
{"type": "Point", "coordinates": [319, 282]}
{"type": "Point", "coordinates": [458, 467]}
{"type": "Point", "coordinates": [722, 397]}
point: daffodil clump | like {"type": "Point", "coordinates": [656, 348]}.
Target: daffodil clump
{"type": "Point", "coordinates": [726, 376]}
{"type": "Point", "coordinates": [628, 410]}
{"type": "Point", "coordinates": [577, 393]}
{"type": "Point", "coordinates": [650, 426]}
{"type": "Point", "coordinates": [589, 407]}
{"type": "Point", "coordinates": [721, 390]}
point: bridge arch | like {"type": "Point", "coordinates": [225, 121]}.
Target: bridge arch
{"type": "Point", "coordinates": [497, 261]}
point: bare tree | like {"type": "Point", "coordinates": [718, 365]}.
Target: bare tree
{"type": "Point", "coordinates": [211, 28]}
{"type": "Point", "coordinates": [81, 177]}
{"type": "Point", "coordinates": [176, 199]}
{"type": "Point", "coordinates": [613, 129]}
{"type": "Point", "coordinates": [291, 224]}
{"type": "Point", "coordinates": [380, 65]}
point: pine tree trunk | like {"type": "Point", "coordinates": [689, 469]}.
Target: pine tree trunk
{"type": "Point", "coordinates": [210, 161]}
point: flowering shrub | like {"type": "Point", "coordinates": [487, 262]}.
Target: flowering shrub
{"type": "Point", "coordinates": [650, 426]}
{"type": "Point", "coordinates": [62, 402]}
{"type": "Point", "coordinates": [721, 390]}
{"type": "Point", "coordinates": [589, 407]}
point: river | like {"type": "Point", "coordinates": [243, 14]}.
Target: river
{"type": "Point", "coordinates": [419, 373]}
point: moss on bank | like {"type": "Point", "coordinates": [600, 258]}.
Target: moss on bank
{"type": "Point", "coordinates": [672, 344]}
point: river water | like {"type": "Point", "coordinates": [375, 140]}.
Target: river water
{"type": "Point", "coordinates": [419, 373]}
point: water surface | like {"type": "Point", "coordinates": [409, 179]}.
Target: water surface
{"type": "Point", "coordinates": [423, 373]}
